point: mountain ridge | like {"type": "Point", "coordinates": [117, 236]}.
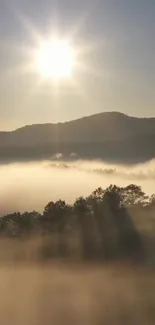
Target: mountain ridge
{"type": "Point", "coordinates": [84, 117]}
{"type": "Point", "coordinates": [108, 135]}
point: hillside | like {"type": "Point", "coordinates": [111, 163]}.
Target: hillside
{"type": "Point", "coordinates": [110, 136]}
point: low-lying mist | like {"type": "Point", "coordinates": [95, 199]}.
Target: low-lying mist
{"type": "Point", "coordinates": [29, 186]}
{"type": "Point", "coordinates": [66, 295]}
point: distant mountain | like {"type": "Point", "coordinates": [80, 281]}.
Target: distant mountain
{"type": "Point", "coordinates": [113, 137]}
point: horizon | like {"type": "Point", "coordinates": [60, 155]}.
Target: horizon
{"type": "Point", "coordinates": [79, 118]}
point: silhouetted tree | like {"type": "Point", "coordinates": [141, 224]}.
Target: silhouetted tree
{"type": "Point", "coordinates": [86, 222]}
{"type": "Point", "coordinates": [56, 219]}
{"type": "Point", "coordinates": [107, 230]}
{"type": "Point", "coordinates": [9, 225]}
{"type": "Point", "coordinates": [133, 195]}
{"type": "Point", "coordinates": [96, 202]}
{"type": "Point", "coordinates": [29, 222]}
{"type": "Point", "coordinates": [152, 201]}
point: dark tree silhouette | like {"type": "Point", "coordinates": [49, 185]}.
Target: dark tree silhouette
{"type": "Point", "coordinates": [134, 196]}
{"type": "Point", "coordinates": [103, 219]}
{"type": "Point", "coordinates": [83, 214]}
{"type": "Point", "coordinates": [152, 201]}
{"type": "Point", "coordinates": [56, 219]}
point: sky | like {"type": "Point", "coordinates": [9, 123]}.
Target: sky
{"type": "Point", "coordinates": [115, 39]}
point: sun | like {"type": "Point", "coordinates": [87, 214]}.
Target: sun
{"type": "Point", "coordinates": [56, 60]}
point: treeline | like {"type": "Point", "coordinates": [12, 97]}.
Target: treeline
{"type": "Point", "coordinates": [98, 227]}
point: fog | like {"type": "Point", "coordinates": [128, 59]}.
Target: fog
{"type": "Point", "coordinates": [65, 295]}
{"type": "Point", "coordinates": [29, 186]}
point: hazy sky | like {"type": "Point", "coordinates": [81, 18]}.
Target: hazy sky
{"type": "Point", "coordinates": [118, 66]}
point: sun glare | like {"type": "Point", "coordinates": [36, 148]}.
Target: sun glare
{"type": "Point", "coordinates": [56, 60]}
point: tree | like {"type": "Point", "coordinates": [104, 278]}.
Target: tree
{"type": "Point", "coordinates": [10, 224]}
{"type": "Point", "coordinates": [129, 242]}
{"type": "Point", "coordinates": [98, 207]}
{"type": "Point", "coordinates": [134, 196]}
{"type": "Point", "coordinates": [86, 223]}
{"type": "Point", "coordinates": [57, 214]}
{"type": "Point", "coordinates": [152, 201]}
{"type": "Point", "coordinates": [29, 222]}
{"type": "Point", "coordinates": [56, 218]}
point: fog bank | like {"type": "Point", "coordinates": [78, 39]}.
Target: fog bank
{"type": "Point", "coordinates": [29, 186]}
